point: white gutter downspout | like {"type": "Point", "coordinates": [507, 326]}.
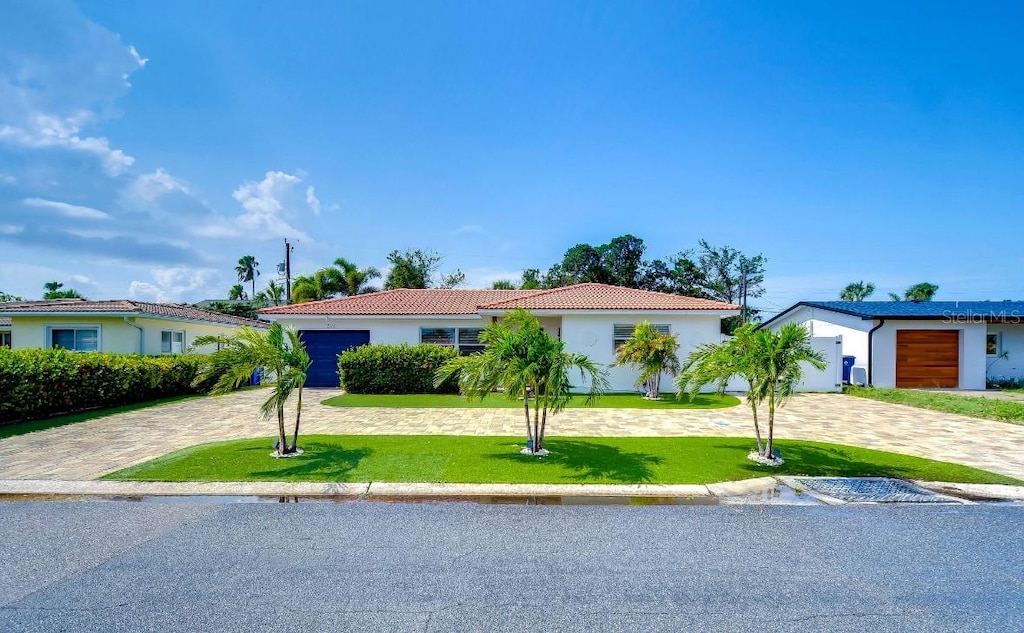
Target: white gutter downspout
{"type": "Point", "coordinates": [142, 334]}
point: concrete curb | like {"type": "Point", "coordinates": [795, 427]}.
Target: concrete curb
{"type": "Point", "coordinates": [978, 492]}
{"type": "Point", "coordinates": [389, 490]}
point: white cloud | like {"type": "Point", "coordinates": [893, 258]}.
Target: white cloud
{"type": "Point", "coordinates": [82, 279]}
{"type": "Point", "coordinates": [266, 206]}
{"type": "Point", "coordinates": [59, 74]}
{"type": "Point", "coordinates": [149, 187]}
{"type": "Point", "coordinates": [469, 228]}
{"type": "Point", "coordinates": [46, 131]}
{"type": "Point", "coordinates": [312, 200]}
{"type": "Point", "coordinates": [67, 210]}
{"type": "Point", "coordinates": [7, 179]}
{"type": "Point", "coordinates": [177, 283]}
{"type": "Point", "coordinates": [11, 229]}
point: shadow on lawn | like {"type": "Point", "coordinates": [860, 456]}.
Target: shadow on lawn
{"type": "Point", "coordinates": [815, 461]}
{"type": "Point", "coordinates": [593, 462]}
{"type": "Point", "coordinates": [319, 462]}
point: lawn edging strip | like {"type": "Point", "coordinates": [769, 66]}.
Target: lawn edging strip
{"type": "Point", "coordinates": [427, 491]}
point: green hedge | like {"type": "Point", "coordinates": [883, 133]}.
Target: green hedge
{"type": "Point", "coordinates": [37, 383]}
{"type": "Point", "coordinates": [395, 369]}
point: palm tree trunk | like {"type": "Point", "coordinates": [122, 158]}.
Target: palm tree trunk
{"type": "Point", "coordinates": [539, 444]}
{"type": "Point", "coordinates": [298, 416]}
{"type": "Point", "coordinates": [526, 411]}
{"type": "Point", "coordinates": [282, 436]}
{"type": "Point", "coordinates": [771, 425]}
{"type": "Point", "coordinates": [537, 424]}
{"type": "Point", "coordinates": [757, 430]}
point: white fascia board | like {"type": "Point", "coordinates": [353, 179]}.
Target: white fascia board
{"type": "Point", "coordinates": [722, 313]}
{"type": "Point", "coordinates": [119, 315]}
{"type": "Point", "coordinates": [371, 317]}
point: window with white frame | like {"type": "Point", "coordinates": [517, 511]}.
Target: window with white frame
{"type": "Point", "coordinates": [5, 339]}
{"type": "Point", "coordinates": [992, 344]}
{"type": "Point", "coordinates": [76, 339]}
{"type": "Point", "coordinates": [172, 342]}
{"type": "Point", "coordinates": [624, 331]}
{"type": "Point", "coordinates": [464, 339]}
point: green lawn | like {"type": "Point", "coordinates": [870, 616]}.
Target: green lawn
{"type": "Point", "coordinates": [498, 401]}
{"type": "Point", "coordinates": [21, 428]}
{"type": "Point", "coordinates": [473, 459]}
{"type": "Point", "coordinates": [973, 406]}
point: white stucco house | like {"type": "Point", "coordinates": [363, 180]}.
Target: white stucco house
{"type": "Point", "coordinates": [590, 318]}
{"type": "Point", "coordinates": [114, 326]}
{"type": "Point", "coordinates": [926, 344]}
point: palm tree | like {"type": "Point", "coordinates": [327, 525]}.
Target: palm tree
{"type": "Point", "coordinates": [351, 279]}
{"type": "Point", "coordinates": [857, 291]}
{"type": "Point", "coordinates": [279, 353]}
{"type": "Point", "coordinates": [273, 294]}
{"type": "Point", "coordinates": [316, 287]}
{"type": "Point", "coordinates": [56, 290]}
{"type": "Point", "coordinates": [526, 363]}
{"type": "Point", "coordinates": [248, 269]}
{"type": "Point", "coordinates": [237, 293]}
{"type": "Point", "coordinates": [653, 352]}
{"type": "Point", "coordinates": [770, 362]}
{"type": "Point", "coordinates": [923, 291]}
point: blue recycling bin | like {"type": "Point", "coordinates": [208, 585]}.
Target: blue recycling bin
{"type": "Point", "coordinates": [257, 376]}
{"type": "Point", "coordinates": [848, 362]}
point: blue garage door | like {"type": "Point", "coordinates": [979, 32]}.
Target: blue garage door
{"type": "Point", "coordinates": [323, 347]}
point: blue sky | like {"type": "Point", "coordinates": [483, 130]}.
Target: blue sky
{"type": "Point", "coordinates": [145, 146]}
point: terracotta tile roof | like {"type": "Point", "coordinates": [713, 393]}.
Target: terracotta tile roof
{"type": "Point", "coordinates": [466, 302]}
{"type": "Point", "coordinates": [127, 308]}
{"type": "Point", "coordinates": [591, 296]}
{"type": "Point", "coordinates": [403, 301]}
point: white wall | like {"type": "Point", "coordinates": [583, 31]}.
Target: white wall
{"type": "Point", "coordinates": [828, 379]}
{"type": "Point", "coordinates": [972, 351]}
{"type": "Point", "coordinates": [383, 331]}
{"type": "Point", "coordinates": [586, 334]}
{"type": "Point", "coordinates": [826, 323]}
{"type": "Point", "coordinates": [593, 335]}
{"type": "Point", "coordinates": [1012, 338]}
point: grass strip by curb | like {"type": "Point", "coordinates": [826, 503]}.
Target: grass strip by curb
{"type": "Point", "coordinates": [498, 401]}
{"type": "Point", "coordinates": [971, 406]}
{"type": "Point", "coordinates": [476, 459]}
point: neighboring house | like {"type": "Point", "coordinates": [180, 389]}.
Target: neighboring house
{"type": "Point", "coordinates": [592, 319]}
{"type": "Point", "coordinates": [115, 326]}
{"type": "Point", "coordinates": [937, 344]}
{"type": "Point", "coordinates": [5, 332]}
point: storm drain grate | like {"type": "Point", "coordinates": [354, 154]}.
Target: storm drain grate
{"type": "Point", "coordinates": [871, 489]}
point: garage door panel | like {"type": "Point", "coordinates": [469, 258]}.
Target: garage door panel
{"type": "Point", "coordinates": [928, 358]}
{"type": "Point", "coordinates": [323, 347]}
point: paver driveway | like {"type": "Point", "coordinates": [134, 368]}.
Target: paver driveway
{"type": "Point", "coordinates": [90, 449]}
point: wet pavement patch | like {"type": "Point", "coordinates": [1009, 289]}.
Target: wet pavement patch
{"type": "Point", "coordinates": [872, 490]}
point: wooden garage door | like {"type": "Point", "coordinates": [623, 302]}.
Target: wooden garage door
{"type": "Point", "coordinates": [928, 358]}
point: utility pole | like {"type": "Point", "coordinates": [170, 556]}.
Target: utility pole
{"type": "Point", "coordinates": [743, 292]}
{"type": "Point", "coordinates": [287, 272]}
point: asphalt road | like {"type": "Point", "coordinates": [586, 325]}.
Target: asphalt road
{"type": "Point", "coordinates": [362, 566]}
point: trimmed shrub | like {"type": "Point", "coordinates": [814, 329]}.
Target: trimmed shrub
{"type": "Point", "coordinates": [37, 383]}
{"type": "Point", "coordinates": [395, 369]}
